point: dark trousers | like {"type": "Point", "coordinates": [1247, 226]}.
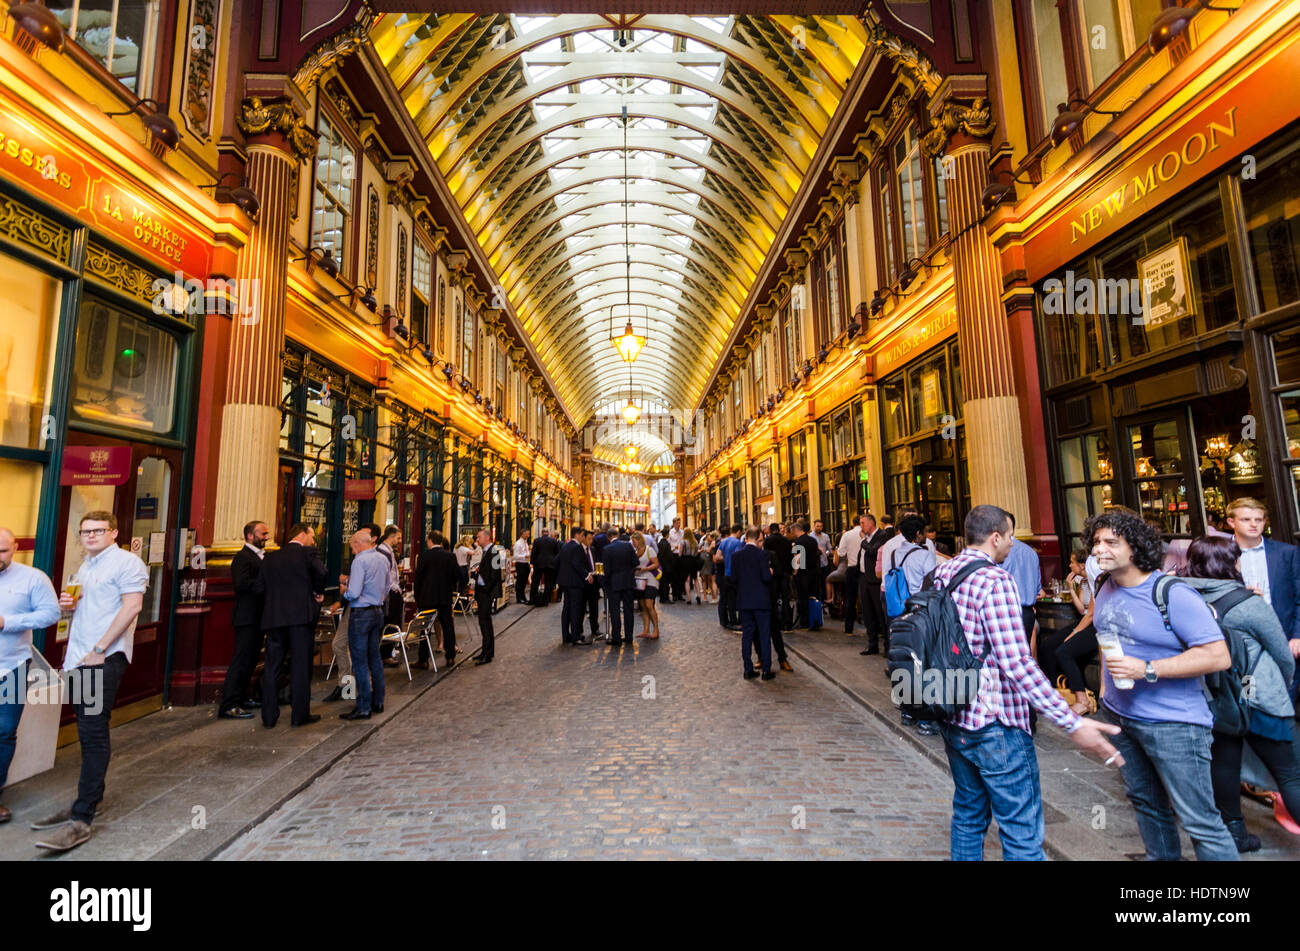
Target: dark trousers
{"type": "Point", "coordinates": [873, 613]}
{"type": "Point", "coordinates": [486, 599]}
{"type": "Point", "coordinates": [622, 615]}
{"type": "Point", "coordinates": [727, 602]}
{"type": "Point", "coordinates": [297, 642]}
{"type": "Point", "coordinates": [591, 608]}
{"type": "Point", "coordinates": [365, 627]}
{"type": "Point", "coordinates": [544, 579]}
{"type": "Point", "coordinates": [447, 626]}
{"type": "Point", "coordinates": [575, 604]}
{"type": "Point", "coordinates": [1225, 771]}
{"type": "Point", "coordinates": [668, 568]}
{"type": "Point", "coordinates": [774, 618]}
{"type": "Point", "coordinates": [803, 590]}
{"type": "Point", "coordinates": [93, 699]}
{"type": "Point", "coordinates": [13, 693]}
{"type": "Point", "coordinates": [1029, 619]}
{"type": "Point", "coordinates": [248, 644]}
{"type": "Point", "coordinates": [851, 576]}
{"type": "Point", "coordinates": [1079, 646]}
{"type": "Point", "coordinates": [521, 582]}
{"type": "Point", "coordinates": [756, 623]}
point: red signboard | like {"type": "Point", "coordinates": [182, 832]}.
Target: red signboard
{"type": "Point", "coordinates": [96, 465]}
{"type": "Point", "coordinates": [49, 164]}
{"type": "Point", "coordinates": [358, 489]}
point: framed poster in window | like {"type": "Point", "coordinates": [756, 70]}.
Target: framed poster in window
{"type": "Point", "coordinates": [763, 474]}
{"type": "Point", "coordinates": [1166, 285]}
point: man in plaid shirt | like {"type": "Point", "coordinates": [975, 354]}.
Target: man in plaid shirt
{"type": "Point", "coordinates": [989, 746]}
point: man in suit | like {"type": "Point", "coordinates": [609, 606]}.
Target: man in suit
{"type": "Point", "coordinates": [779, 551]}
{"type": "Point", "coordinates": [751, 575]}
{"type": "Point", "coordinates": [487, 586]}
{"type": "Point", "coordinates": [602, 538]}
{"type": "Point", "coordinates": [873, 611]}
{"type": "Point", "coordinates": [722, 574]}
{"type": "Point", "coordinates": [1271, 568]}
{"type": "Point", "coordinates": [590, 593]}
{"type": "Point", "coordinates": [436, 579]}
{"type": "Point", "coordinates": [246, 619]}
{"type": "Point", "coordinates": [292, 582]}
{"type": "Point", "coordinates": [807, 560]}
{"type": "Point", "coordinates": [573, 573]}
{"type": "Point", "coordinates": [546, 552]}
{"type": "Point", "coordinates": [620, 579]}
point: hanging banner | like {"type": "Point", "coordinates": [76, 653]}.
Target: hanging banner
{"type": "Point", "coordinates": [358, 489]}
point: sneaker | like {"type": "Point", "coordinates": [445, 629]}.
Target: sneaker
{"type": "Point", "coordinates": [68, 837]}
{"type": "Point", "coordinates": [62, 817]}
{"type": "Point", "coordinates": [926, 728]}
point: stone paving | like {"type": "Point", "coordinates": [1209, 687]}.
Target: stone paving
{"type": "Point", "coordinates": [657, 751]}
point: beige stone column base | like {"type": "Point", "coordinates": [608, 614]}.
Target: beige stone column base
{"type": "Point", "coordinates": [994, 457]}
{"type": "Point", "coordinates": [247, 471]}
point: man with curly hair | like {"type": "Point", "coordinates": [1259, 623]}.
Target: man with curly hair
{"type": "Point", "coordinates": [1170, 640]}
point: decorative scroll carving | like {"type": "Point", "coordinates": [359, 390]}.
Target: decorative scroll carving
{"type": "Point", "coordinates": [260, 117]}
{"type": "Point", "coordinates": [200, 63]}
{"type": "Point", "coordinates": [909, 59]}
{"type": "Point", "coordinates": [35, 230]}
{"type": "Point", "coordinates": [116, 271]}
{"type": "Point", "coordinates": [372, 236]}
{"type": "Point", "coordinates": [975, 119]}
{"type": "Point", "coordinates": [402, 281]}
{"type": "Point", "coordinates": [328, 51]}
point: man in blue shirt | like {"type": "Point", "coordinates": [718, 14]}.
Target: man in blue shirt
{"type": "Point", "coordinates": [368, 586]}
{"type": "Point", "coordinates": [1023, 564]}
{"type": "Point", "coordinates": [27, 603]}
{"type": "Point", "coordinates": [728, 616]}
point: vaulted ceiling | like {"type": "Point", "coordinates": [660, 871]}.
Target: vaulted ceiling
{"type": "Point", "coordinates": [616, 166]}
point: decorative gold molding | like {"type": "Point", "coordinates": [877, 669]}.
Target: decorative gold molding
{"type": "Point", "coordinates": [334, 48]}
{"type": "Point", "coordinates": [119, 273]}
{"type": "Point", "coordinates": [261, 117]}
{"type": "Point", "coordinates": [33, 229]}
{"type": "Point", "coordinates": [975, 119]}
{"type": "Point", "coordinates": [911, 61]}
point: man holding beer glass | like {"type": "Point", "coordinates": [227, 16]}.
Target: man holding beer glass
{"type": "Point", "coordinates": [105, 598]}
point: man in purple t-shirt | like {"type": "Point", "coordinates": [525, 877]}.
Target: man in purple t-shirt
{"type": "Point", "coordinates": [1163, 713]}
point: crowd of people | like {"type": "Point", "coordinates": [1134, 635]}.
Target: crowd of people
{"type": "Point", "coordinates": [1194, 642]}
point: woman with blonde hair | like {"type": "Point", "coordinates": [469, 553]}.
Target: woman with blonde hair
{"type": "Point", "coordinates": [464, 548]}
{"type": "Point", "coordinates": [689, 568]}
{"type": "Point", "coordinates": [647, 584]}
{"type": "Point", "coordinates": [707, 543]}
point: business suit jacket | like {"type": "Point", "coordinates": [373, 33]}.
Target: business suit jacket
{"type": "Point", "coordinates": [545, 552]}
{"type": "Point", "coordinates": [289, 580]}
{"type": "Point", "coordinates": [1284, 583]}
{"type": "Point", "coordinates": [868, 552]}
{"type": "Point", "coordinates": [244, 570]}
{"type": "Point", "coordinates": [620, 566]}
{"type": "Point", "coordinates": [573, 567]}
{"type": "Point", "coordinates": [782, 550]}
{"type": "Point", "coordinates": [752, 574]}
{"type": "Point", "coordinates": [812, 556]}
{"type": "Point", "coordinates": [488, 571]}
{"type": "Point", "coordinates": [436, 578]}
{"type": "Point", "coordinates": [598, 545]}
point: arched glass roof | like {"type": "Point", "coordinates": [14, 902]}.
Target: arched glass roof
{"type": "Point", "coordinates": [533, 120]}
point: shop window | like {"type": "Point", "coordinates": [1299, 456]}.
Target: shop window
{"type": "Point", "coordinates": [152, 498]}
{"type": "Point", "coordinates": [798, 456]}
{"type": "Point", "coordinates": [331, 208]}
{"type": "Point", "coordinates": [1160, 475]}
{"type": "Point", "coordinates": [894, 410]}
{"type": "Point", "coordinates": [122, 36]}
{"type": "Point", "coordinates": [1086, 473]}
{"type": "Point", "coordinates": [124, 372]}
{"type": "Point", "coordinates": [28, 330]}
{"type": "Point", "coordinates": [1271, 204]}
{"type": "Point", "coordinates": [20, 503]}
{"type": "Point", "coordinates": [928, 390]}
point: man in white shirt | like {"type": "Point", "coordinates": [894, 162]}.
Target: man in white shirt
{"type": "Point", "coordinates": [891, 546]}
{"type": "Point", "coordinates": [824, 546]}
{"type": "Point", "coordinates": [847, 555]}
{"type": "Point", "coordinates": [1270, 567]}
{"type": "Point", "coordinates": [673, 577]}
{"type": "Point", "coordinates": [100, 640]}
{"type": "Point", "coordinates": [523, 546]}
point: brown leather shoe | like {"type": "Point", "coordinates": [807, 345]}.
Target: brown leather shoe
{"type": "Point", "coordinates": [67, 837]}
{"type": "Point", "coordinates": [785, 665]}
{"type": "Point", "coordinates": [5, 815]}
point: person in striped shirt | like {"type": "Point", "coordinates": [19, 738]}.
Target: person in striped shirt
{"type": "Point", "coordinates": [989, 745]}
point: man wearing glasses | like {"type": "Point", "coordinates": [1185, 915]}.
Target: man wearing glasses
{"type": "Point", "coordinates": [100, 638]}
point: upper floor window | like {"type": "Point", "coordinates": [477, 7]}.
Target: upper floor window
{"type": "Point", "coordinates": [331, 207]}
{"type": "Point", "coordinates": [421, 290]}
{"type": "Point", "coordinates": [122, 35]}
{"type": "Point", "coordinates": [913, 202]}
{"type": "Point", "coordinates": [911, 197]}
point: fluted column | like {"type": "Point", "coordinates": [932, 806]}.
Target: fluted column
{"type": "Point", "coordinates": [248, 465]}
{"type": "Point", "coordinates": [993, 435]}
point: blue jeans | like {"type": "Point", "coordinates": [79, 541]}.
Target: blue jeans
{"type": "Point", "coordinates": [994, 772]}
{"type": "Point", "coordinates": [13, 691]}
{"type": "Point", "coordinates": [1168, 763]}
{"type": "Point", "coordinates": [364, 629]}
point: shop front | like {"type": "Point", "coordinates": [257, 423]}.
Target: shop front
{"type": "Point", "coordinates": [794, 487]}
{"type": "Point", "coordinates": [843, 455]}
{"type": "Point", "coordinates": [923, 438]}
{"type": "Point", "coordinates": [1169, 346]}
{"type": "Point", "coordinates": [98, 354]}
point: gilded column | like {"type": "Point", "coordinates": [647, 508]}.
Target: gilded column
{"type": "Point", "coordinates": [989, 404]}
{"type": "Point", "coordinates": [278, 140]}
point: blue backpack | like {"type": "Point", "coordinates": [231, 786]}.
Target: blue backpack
{"type": "Point", "coordinates": [895, 586]}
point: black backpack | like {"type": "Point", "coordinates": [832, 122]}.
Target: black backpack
{"type": "Point", "coordinates": [932, 672]}
{"type": "Point", "coordinates": [1225, 690]}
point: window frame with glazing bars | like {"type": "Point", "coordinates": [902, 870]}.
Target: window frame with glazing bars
{"type": "Point", "coordinates": [327, 114]}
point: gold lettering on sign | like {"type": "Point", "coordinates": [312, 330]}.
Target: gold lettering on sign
{"type": "Point", "coordinates": [155, 234]}
{"type": "Point", "coordinates": [1157, 172]}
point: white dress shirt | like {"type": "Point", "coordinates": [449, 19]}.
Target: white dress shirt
{"type": "Point", "coordinates": [850, 545]}
{"type": "Point", "coordinates": [1254, 569]}
{"type": "Point", "coordinates": [259, 552]}
{"type": "Point", "coordinates": [522, 550]}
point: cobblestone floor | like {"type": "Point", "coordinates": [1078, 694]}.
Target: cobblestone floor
{"type": "Point", "coordinates": [652, 752]}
